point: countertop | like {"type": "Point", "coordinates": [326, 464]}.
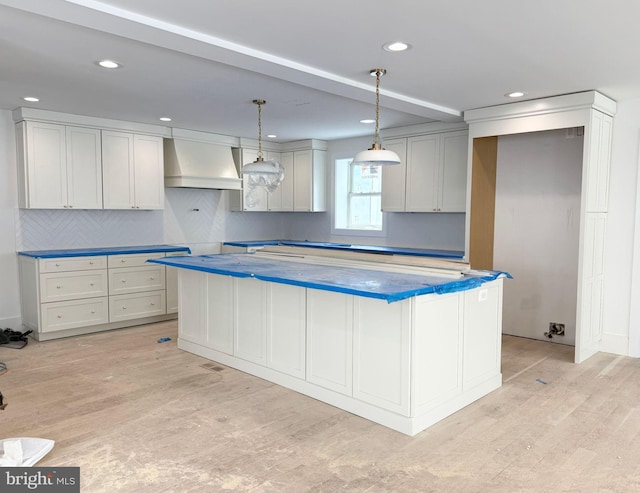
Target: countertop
{"type": "Point", "coordinates": [385, 285]}
{"type": "Point", "coordinates": [389, 250]}
{"type": "Point", "coordinates": [86, 252]}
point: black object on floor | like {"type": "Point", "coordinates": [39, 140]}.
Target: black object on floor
{"type": "Point", "coordinates": [14, 339]}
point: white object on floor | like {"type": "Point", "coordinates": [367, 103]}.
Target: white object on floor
{"type": "Point", "coordinates": [23, 452]}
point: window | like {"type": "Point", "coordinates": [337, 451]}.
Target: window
{"type": "Point", "coordinates": [358, 197]}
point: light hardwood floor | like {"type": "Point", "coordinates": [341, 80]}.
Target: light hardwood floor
{"type": "Point", "coordinates": [141, 416]}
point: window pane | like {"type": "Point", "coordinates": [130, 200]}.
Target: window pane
{"type": "Point", "coordinates": [364, 212]}
{"type": "Point", "coordinates": [365, 179]}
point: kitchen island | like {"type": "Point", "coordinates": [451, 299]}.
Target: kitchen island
{"type": "Point", "coordinates": [395, 344]}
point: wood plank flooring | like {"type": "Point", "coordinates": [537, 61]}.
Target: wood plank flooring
{"type": "Point", "coordinates": [141, 416]}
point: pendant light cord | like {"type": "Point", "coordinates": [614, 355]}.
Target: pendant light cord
{"type": "Point", "coordinates": [376, 139]}
{"type": "Point", "coordinates": [259, 102]}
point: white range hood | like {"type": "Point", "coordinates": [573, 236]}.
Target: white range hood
{"type": "Point", "coordinates": [190, 163]}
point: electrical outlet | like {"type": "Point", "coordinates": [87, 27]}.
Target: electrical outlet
{"type": "Point", "coordinates": [556, 328]}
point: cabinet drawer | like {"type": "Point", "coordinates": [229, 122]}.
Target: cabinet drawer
{"type": "Point", "coordinates": [132, 260]}
{"type": "Point", "coordinates": [62, 286]}
{"type": "Point", "coordinates": [72, 263]}
{"type": "Point", "coordinates": [136, 279]}
{"type": "Point", "coordinates": [128, 306]}
{"type": "Point", "coordinates": [73, 314]}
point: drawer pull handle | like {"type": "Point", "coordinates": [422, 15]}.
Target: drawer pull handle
{"type": "Point", "coordinates": [57, 265]}
{"type": "Point", "coordinates": [122, 261]}
{"type": "Point", "coordinates": [93, 311]}
{"type": "Point", "coordinates": [91, 263]}
{"type": "Point", "coordinates": [59, 316]}
{"type": "Point", "coordinates": [124, 280]}
{"type": "Point", "coordinates": [90, 284]}
{"type": "Point", "coordinates": [58, 287]}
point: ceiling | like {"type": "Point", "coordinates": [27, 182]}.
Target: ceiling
{"type": "Point", "coordinates": [203, 62]}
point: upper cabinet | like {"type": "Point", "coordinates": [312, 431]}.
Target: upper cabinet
{"type": "Point", "coordinates": [59, 167]}
{"type": "Point", "coordinates": [303, 188]}
{"type": "Point", "coordinates": [432, 175]}
{"type": "Point", "coordinates": [133, 171]}
{"type": "Point", "coordinates": [74, 162]}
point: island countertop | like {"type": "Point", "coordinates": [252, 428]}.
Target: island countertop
{"type": "Point", "coordinates": [367, 282]}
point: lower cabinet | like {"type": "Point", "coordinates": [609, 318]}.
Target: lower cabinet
{"type": "Point", "coordinates": [406, 364]}
{"type": "Point", "coordinates": [74, 295]}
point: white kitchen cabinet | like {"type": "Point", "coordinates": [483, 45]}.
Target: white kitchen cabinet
{"type": "Point", "coordinates": [62, 296]}
{"type": "Point", "coordinates": [302, 190]}
{"type": "Point", "coordinates": [133, 171]}
{"type": "Point", "coordinates": [382, 328]}
{"type": "Point", "coordinates": [394, 178]}
{"type": "Point", "coordinates": [330, 340]}
{"type": "Point", "coordinates": [59, 166]}
{"type": "Point", "coordinates": [309, 180]}
{"type": "Point", "coordinates": [250, 320]}
{"type": "Point", "coordinates": [281, 199]}
{"type": "Point", "coordinates": [435, 174]}
{"type": "Point", "coordinates": [286, 332]}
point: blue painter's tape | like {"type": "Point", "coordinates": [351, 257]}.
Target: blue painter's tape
{"type": "Point", "coordinates": [87, 252]}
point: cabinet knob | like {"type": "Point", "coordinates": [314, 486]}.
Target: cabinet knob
{"type": "Point", "coordinates": [93, 311]}
{"type": "Point", "coordinates": [57, 287]}
{"type": "Point", "coordinates": [152, 278]}
{"type": "Point", "coordinates": [90, 284]}
{"type": "Point", "coordinates": [59, 316]}
{"type": "Point", "coordinates": [123, 280]}
{"type": "Point", "coordinates": [91, 262]}
{"type": "Point", "coordinates": [124, 307]}
{"type": "Point", "coordinates": [57, 265]}
{"type": "Point", "coordinates": [152, 304]}
{"type": "Point", "coordinates": [122, 261]}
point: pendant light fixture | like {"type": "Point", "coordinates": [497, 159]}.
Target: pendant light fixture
{"type": "Point", "coordinates": [377, 155]}
{"type": "Point", "coordinates": [266, 174]}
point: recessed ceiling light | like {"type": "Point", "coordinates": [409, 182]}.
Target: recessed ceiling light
{"type": "Point", "coordinates": [367, 120]}
{"type": "Point", "coordinates": [165, 119]}
{"type": "Point", "coordinates": [515, 94]}
{"type": "Point", "coordinates": [272, 136]}
{"type": "Point", "coordinates": [396, 46]}
{"type": "Point", "coordinates": [31, 99]}
{"type": "Point", "coordinates": [109, 64]}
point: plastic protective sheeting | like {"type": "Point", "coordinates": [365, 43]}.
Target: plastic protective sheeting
{"type": "Point", "coordinates": [87, 252]}
{"type": "Point", "coordinates": [385, 285]}
{"type": "Point", "coordinates": [23, 452]}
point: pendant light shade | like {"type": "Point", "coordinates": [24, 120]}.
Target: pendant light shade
{"type": "Point", "coordinates": [377, 155]}
{"type": "Point", "coordinates": [260, 173]}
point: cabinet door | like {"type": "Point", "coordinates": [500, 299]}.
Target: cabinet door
{"type": "Point", "coordinates": [302, 180]}
{"type": "Point", "coordinates": [117, 170]}
{"type": "Point", "coordinates": [422, 173]}
{"type": "Point", "coordinates": [84, 168]}
{"type": "Point", "coordinates": [250, 320]}
{"type": "Point", "coordinates": [453, 174]}
{"type": "Point", "coordinates": [330, 340]}
{"type": "Point", "coordinates": [382, 353]}
{"type": "Point", "coordinates": [286, 187]}
{"type": "Point", "coordinates": [148, 163]}
{"type": "Point", "coordinates": [394, 178]}
{"type": "Point", "coordinates": [276, 200]}
{"type": "Point", "coordinates": [286, 309]}
{"type": "Point", "coordinates": [46, 168]}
